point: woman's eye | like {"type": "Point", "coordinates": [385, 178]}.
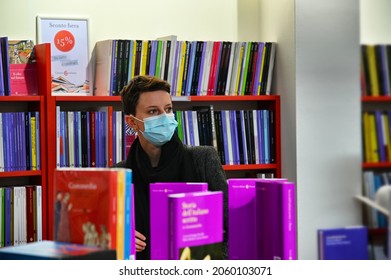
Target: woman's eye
{"type": "Point", "coordinates": [153, 112]}
{"type": "Point", "coordinates": [168, 110]}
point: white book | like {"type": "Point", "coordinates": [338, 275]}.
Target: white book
{"type": "Point", "coordinates": [38, 219]}
{"type": "Point", "coordinates": [271, 67]}
{"type": "Point", "coordinates": [233, 88]}
{"type": "Point", "coordinates": [23, 221]}
{"type": "Point", "coordinates": [207, 66]}
{"type": "Point", "coordinates": [173, 39]}
{"type": "Point", "coordinates": [195, 128]}
{"type": "Point", "coordinates": [118, 133]}
{"type": "Point", "coordinates": [229, 137]}
{"type": "Point", "coordinates": [230, 65]}
{"type": "Point", "coordinates": [103, 67]}
{"type": "Point", "coordinates": [16, 217]}
{"type": "Point", "coordinates": [256, 144]}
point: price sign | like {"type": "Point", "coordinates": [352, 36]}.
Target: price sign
{"type": "Point", "coordinates": [68, 39]}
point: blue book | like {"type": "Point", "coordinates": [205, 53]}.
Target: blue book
{"type": "Point", "coordinates": [344, 243]}
{"type": "Point", "coordinates": [52, 250]}
{"type": "Point", "coordinates": [5, 61]}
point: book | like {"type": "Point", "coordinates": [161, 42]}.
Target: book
{"type": "Point", "coordinates": [22, 68]}
{"type": "Point", "coordinates": [52, 250]}
{"type": "Point", "coordinates": [241, 203]}
{"type": "Point", "coordinates": [343, 243]}
{"type": "Point", "coordinates": [159, 213]}
{"type": "Point", "coordinates": [196, 225]}
{"type": "Point", "coordinates": [90, 204]}
{"type": "Point", "coordinates": [276, 220]}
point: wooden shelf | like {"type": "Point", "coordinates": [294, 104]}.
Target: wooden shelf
{"type": "Point", "coordinates": [249, 167]}
{"type": "Point", "coordinates": [20, 98]}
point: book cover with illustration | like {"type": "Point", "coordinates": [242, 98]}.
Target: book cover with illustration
{"type": "Point", "coordinates": [241, 203]}
{"type": "Point", "coordinates": [22, 68]}
{"type": "Point", "coordinates": [343, 243]}
{"type": "Point", "coordinates": [52, 250]}
{"type": "Point", "coordinates": [159, 213]}
{"type": "Point", "coordinates": [276, 220]}
{"type": "Point", "coordinates": [196, 225]}
{"type": "Point", "coordinates": [86, 206]}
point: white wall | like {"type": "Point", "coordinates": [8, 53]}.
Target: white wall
{"type": "Point", "coordinates": [130, 19]}
{"type": "Point", "coordinates": [375, 21]}
{"type": "Point", "coordinates": [328, 130]}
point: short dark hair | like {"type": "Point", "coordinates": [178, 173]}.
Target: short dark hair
{"type": "Point", "coordinates": [139, 84]}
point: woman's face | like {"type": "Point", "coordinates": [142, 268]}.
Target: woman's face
{"type": "Point", "coordinates": [150, 104]}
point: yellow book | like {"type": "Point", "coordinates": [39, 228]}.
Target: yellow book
{"type": "Point", "coordinates": [33, 143]}
{"type": "Point", "coordinates": [133, 59]}
{"type": "Point", "coordinates": [238, 75]}
{"type": "Point", "coordinates": [262, 69]}
{"type": "Point", "coordinates": [144, 54]}
{"type": "Point", "coordinates": [181, 68]}
{"type": "Point", "coordinates": [374, 152]}
{"type": "Point", "coordinates": [373, 75]}
{"type": "Point", "coordinates": [366, 138]}
{"type": "Point", "coordinates": [120, 214]}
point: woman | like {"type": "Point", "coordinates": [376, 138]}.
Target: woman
{"type": "Point", "coordinates": [158, 155]}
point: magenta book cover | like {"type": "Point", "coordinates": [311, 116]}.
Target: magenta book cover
{"type": "Point", "coordinates": [159, 213]}
{"type": "Point", "coordinates": [23, 78]}
{"type": "Point", "coordinates": [196, 225]}
{"type": "Point", "coordinates": [241, 203]}
{"type": "Point", "coordinates": [276, 220]}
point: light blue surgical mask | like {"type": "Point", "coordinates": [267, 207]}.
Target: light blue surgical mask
{"type": "Point", "coordinates": [158, 130]}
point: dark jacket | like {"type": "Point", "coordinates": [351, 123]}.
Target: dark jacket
{"type": "Point", "coordinates": [208, 169]}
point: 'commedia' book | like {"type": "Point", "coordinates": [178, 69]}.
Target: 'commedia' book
{"type": "Point", "coordinates": [343, 243]}
{"type": "Point", "coordinates": [159, 214]}
{"type": "Point", "coordinates": [52, 250]}
{"type": "Point", "coordinates": [90, 207]}
{"type": "Point", "coordinates": [276, 220]}
{"type": "Point", "coordinates": [196, 225]}
{"type": "Point", "coordinates": [241, 203]}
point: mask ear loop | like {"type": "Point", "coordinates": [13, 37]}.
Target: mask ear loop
{"type": "Point", "coordinates": [130, 119]}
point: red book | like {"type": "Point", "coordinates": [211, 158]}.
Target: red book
{"type": "Point", "coordinates": [23, 79]}
{"type": "Point", "coordinates": [213, 68]}
{"type": "Point", "coordinates": [85, 206]}
{"type": "Point", "coordinates": [30, 231]}
{"type": "Point", "coordinates": [92, 137]}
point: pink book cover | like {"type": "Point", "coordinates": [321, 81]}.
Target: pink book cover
{"type": "Point", "coordinates": [196, 225]}
{"type": "Point", "coordinates": [276, 220]}
{"type": "Point", "coordinates": [159, 213]}
{"type": "Point", "coordinates": [241, 203]}
{"type": "Point", "coordinates": [24, 80]}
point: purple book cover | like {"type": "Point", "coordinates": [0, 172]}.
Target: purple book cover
{"type": "Point", "coordinates": [241, 203]}
{"type": "Point", "coordinates": [258, 68]}
{"type": "Point", "coordinates": [196, 225]}
{"type": "Point", "coordinates": [234, 137]}
{"type": "Point", "coordinates": [276, 220]}
{"type": "Point", "coordinates": [345, 243]}
{"type": "Point", "coordinates": [159, 213]}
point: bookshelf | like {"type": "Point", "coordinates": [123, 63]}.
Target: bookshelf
{"type": "Point", "coordinates": [26, 176]}
{"type": "Point", "coordinates": [376, 133]}
{"type": "Point", "coordinates": [93, 103]}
